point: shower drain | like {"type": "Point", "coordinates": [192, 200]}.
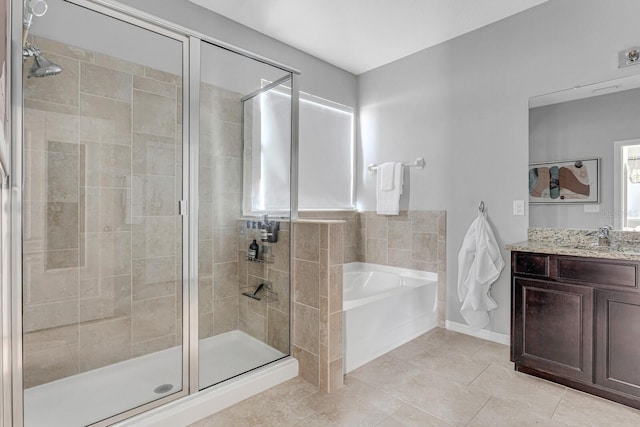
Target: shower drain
{"type": "Point", "coordinates": [162, 388]}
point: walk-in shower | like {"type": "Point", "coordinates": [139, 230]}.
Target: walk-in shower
{"type": "Point", "coordinates": [131, 267]}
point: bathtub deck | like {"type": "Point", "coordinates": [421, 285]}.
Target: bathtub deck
{"type": "Point", "coordinates": [91, 396]}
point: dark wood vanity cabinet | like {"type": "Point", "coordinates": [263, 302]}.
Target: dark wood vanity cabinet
{"type": "Point", "coordinates": [576, 321]}
{"type": "Point", "coordinates": [554, 327]}
{"type": "Point", "coordinates": [618, 333]}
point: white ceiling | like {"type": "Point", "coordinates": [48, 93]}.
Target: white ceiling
{"type": "Point", "coordinates": [359, 35]}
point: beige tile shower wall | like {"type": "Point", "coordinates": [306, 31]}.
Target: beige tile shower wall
{"type": "Point", "coordinates": [220, 197]}
{"type": "Point", "coordinates": [268, 318]}
{"type": "Point", "coordinates": [102, 263]}
{"type": "Point", "coordinates": [317, 302]}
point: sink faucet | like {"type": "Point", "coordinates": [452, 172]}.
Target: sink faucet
{"type": "Point", "coordinates": [603, 235]}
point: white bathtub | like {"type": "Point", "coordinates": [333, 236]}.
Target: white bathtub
{"type": "Point", "coordinates": [384, 307]}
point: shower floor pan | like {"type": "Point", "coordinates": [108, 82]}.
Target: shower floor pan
{"type": "Point", "coordinates": [95, 395]}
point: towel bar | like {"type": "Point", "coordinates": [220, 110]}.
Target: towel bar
{"type": "Point", "coordinates": [419, 163]}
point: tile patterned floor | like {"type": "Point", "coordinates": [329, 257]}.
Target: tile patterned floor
{"type": "Point", "coordinates": [442, 378]}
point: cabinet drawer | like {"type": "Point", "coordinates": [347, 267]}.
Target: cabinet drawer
{"type": "Point", "coordinates": [598, 272]}
{"type": "Point", "coordinates": [531, 264]}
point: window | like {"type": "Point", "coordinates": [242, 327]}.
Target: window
{"type": "Point", "coordinates": [326, 160]}
{"type": "Point", "coordinates": [326, 154]}
{"type": "Point", "coordinates": [627, 185]}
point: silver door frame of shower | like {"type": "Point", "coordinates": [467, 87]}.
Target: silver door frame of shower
{"type": "Point", "coordinates": [12, 372]}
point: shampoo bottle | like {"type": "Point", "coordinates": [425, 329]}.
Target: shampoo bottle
{"type": "Point", "coordinates": [253, 250]}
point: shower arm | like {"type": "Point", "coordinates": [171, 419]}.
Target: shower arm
{"type": "Point", "coordinates": [31, 8]}
{"type": "Point", "coordinates": [25, 29]}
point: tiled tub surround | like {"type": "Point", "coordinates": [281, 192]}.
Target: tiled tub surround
{"type": "Point", "coordinates": [624, 244]}
{"type": "Point", "coordinates": [102, 239]}
{"type": "Point", "coordinates": [351, 232]}
{"type": "Point", "coordinates": [413, 239]}
{"type": "Point", "coordinates": [317, 302]}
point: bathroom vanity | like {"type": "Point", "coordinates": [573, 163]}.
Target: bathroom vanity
{"type": "Point", "coordinates": [575, 319]}
{"type": "Point", "coordinates": [575, 315]}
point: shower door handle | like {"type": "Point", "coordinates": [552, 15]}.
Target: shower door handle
{"type": "Point", "coordinates": [182, 207]}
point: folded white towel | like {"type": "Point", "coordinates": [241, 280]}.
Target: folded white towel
{"type": "Point", "coordinates": [388, 201]}
{"type": "Point", "coordinates": [385, 176]}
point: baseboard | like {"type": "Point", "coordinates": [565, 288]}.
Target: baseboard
{"type": "Point", "coordinates": [482, 333]}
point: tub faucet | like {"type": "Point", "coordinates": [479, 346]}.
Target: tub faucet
{"type": "Point", "coordinates": [603, 235]}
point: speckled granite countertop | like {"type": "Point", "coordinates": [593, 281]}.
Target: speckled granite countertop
{"type": "Point", "coordinates": [624, 244]}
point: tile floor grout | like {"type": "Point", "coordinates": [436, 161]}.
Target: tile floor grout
{"type": "Point", "coordinates": [559, 401]}
{"type": "Point", "coordinates": [422, 383]}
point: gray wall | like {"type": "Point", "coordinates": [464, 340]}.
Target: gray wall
{"type": "Point", "coordinates": [582, 129]}
{"type": "Point", "coordinates": [463, 105]}
{"type": "Point", "coordinates": [140, 46]}
{"type": "Point", "coordinates": [318, 77]}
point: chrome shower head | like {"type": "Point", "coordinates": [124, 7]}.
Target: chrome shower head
{"type": "Point", "coordinates": [42, 67]}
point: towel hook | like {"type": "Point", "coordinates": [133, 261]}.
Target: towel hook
{"type": "Point", "coordinates": [481, 207]}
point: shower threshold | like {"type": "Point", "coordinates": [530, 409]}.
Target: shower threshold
{"type": "Point", "coordinates": [98, 394]}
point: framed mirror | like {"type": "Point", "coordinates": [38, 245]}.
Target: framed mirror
{"type": "Point", "coordinates": [598, 121]}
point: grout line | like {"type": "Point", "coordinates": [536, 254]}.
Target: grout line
{"type": "Point", "coordinates": [475, 353]}
{"type": "Point", "coordinates": [483, 371]}
{"type": "Point", "coordinates": [558, 404]}
{"type": "Point", "coordinates": [305, 305]}
{"type": "Point", "coordinates": [480, 410]}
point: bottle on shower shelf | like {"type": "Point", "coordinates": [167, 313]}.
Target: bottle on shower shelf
{"type": "Point", "coordinates": [269, 230]}
{"type": "Point", "coordinates": [254, 250]}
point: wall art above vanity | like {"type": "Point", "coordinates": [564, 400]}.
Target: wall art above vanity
{"type": "Point", "coordinates": [571, 181]}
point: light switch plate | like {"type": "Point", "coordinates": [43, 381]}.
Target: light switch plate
{"type": "Point", "coordinates": [592, 208]}
{"type": "Point", "coordinates": [518, 207]}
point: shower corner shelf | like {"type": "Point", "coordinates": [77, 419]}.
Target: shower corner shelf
{"type": "Point", "coordinates": [264, 295]}
{"type": "Point", "coordinates": [259, 261]}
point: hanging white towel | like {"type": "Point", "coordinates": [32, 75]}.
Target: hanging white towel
{"type": "Point", "coordinates": [386, 171]}
{"type": "Point", "coordinates": [479, 265]}
{"type": "Point", "coordinates": [388, 201]}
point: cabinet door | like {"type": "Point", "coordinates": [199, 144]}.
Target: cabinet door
{"type": "Point", "coordinates": [553, 328]}
{"type": "Point", "coordinates": [618, 341]}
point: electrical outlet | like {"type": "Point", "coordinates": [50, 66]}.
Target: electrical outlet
{"type": "Point", "coordinates": [518, 207]}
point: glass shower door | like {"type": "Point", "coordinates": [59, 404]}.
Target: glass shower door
{"type": "Point", "coordinates": [102, 242]}
{"type": "Point", "coordinates": [243, 303]}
